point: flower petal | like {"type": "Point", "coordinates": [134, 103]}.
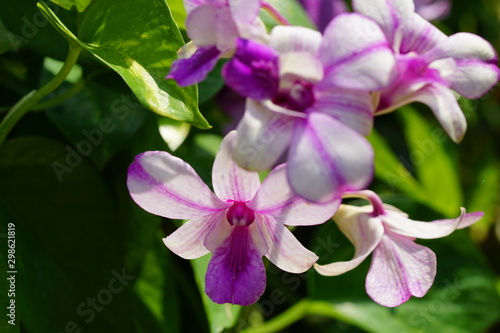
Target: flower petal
{"type": "Point", "coordinates": [276, 198]}
{"type": "Point", "coordinates": [225, 30]}
{"type": "Point", "coordinates": [236, 273]}
{"type": "Point", "coordinates": [285, 251]}
{"type": "Point", "coordinates": [262, 137]}
{"type": "Point", "coordinates": [356, 55]}
{"type": "Point", "coordinates": [473, 78]}
{"type": "Point", "coordinates": [419, 36]}
{"type": "Point", "coordinates": [167, 186]}
{"type": "Point", "coordinates": [327, 158]}
{"type": "Point", "coordinates": [296, 66]}
{"type": "Point", "coordinates": [188, 241]}
{"type": "Point", "coordinates": [462, 46]}
{"type": "Point", "coordinates": [351, 107]}
{"type": "Point", "coordinates": [230, 181]}
{"type": "Point", "coordinates": [476, 60]}
{"type": "Point", "coordinates": [364, 232]}
{"type": "Point", "coordinates": [244, 10]}
{"type": "Point", "coordinates": [433, 10]}
{"type": "Point", "coordinates": [400, 269]}
{"type": "Point", "coordinates": [399, 224]}
{"type": "Point", "coordinates": [470, 219]}
{"type": "Point", "coordinates": [389, 14]}
{"type": "Point", "coordinates": [200, 25]}
{"type": "Point", "coordinates": [295, 39]}
{"type": "Point", "coordinates": [445, 107]}
{"type": "Point", "coordinates": [253, 71]}
{"type": "Point", "coordinates": [189, 5]}
{"type": "Point", "coordinates": [195, 68]}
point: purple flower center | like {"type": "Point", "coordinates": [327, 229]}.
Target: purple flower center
{"type": "Point", "coordinates": [240, 215]}
{"type": "Point", "coordinates": [299, 97]}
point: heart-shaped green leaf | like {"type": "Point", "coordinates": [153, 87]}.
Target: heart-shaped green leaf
{"type": "Point", "coordinates": [138, 40]}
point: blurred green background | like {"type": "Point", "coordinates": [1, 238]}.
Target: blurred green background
{"type": "Point", "coordinates": [89, 260]}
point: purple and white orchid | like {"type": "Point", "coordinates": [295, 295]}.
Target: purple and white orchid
{"type": "Point", "coordinates": [213, 27]}
{"type": "Point", "coordinates": [242, 222]}
{"type": "Point", "coordinates": [430, 63]}
{"type": "Point", "coordinates": [310, 94]}
{"type": "Point", "coordinates": [400, 267]}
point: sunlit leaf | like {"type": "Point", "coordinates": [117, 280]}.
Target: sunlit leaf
{"type": "Point", "coordinates": [142, 56]}
{"type": "Point", "coordinates": [208, 142]}
{"type": "Point", "coordinates": [156, 286]}
{"type": "Point", "coordinates": [178, 12]}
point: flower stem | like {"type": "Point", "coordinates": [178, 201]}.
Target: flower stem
{"type": "Point", "coordinates": [70, 92]}
{"type": "Point", "coordinates": [297, 312]}
{"type": "Point", "coordinates": [33, 97]}
{"type": "Point", "coordinates": [275, 14]}
{"type": "Point", "coordinates": [377, 204]}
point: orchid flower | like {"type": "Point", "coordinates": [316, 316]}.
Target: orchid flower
{"type": "Point", "coordinates": [400, 267]}
{"type": "Point", "coordinates": [213, 27]}
{"type": "Point", "coordinates": [430, 63]}
{"type": "Point", "coordinates": [433, 9]}
{"type": "Point", "coordinates": [242, 222]}
{"type": "Point", "coordinates": [309, 94]}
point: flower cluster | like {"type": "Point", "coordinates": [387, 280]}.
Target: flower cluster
{"type": "Point", "coordinates": [311, 99]}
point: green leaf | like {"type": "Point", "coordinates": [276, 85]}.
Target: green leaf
{"type": "Point", "coordinates": [61, 230]}
{"type": "Point", "coordinates": [292, 10]}
{"type": "Point", "coordinates": [389, 169]}
{"type": "Point", "coordinates": [438, 181]}
{"type": "Point", "coordinates": [208, 142]}
{"type": "Point", "coordinates": [212, 84]}
{"type": "Point", "coordinates": [173, 132]}
{"type": "Point", "coordinates": [178, 12]}
{"type": "Point", "coordinates": [220, 316]}
{"type": "Point", "coordinates": [78, 5]}
{"type": "Point", "coordinates": [484, 196]}
{"type": "Point", "coordinates": [433, 164]}
{"type": "Point", "coordinates": [140, 44]}
{"type": "Point", "coordinates": [98, 122]}
{"type": "Point", "coordinates": [156, 286]}
{"type": "Point", "coordinates": [29, 29]}
{"type": "Point", "coordinates": [54, 67]}
{"type": "Point", "coordinates": [5, 42]}
{"type": "Point", "coordinates": [74, 239]}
